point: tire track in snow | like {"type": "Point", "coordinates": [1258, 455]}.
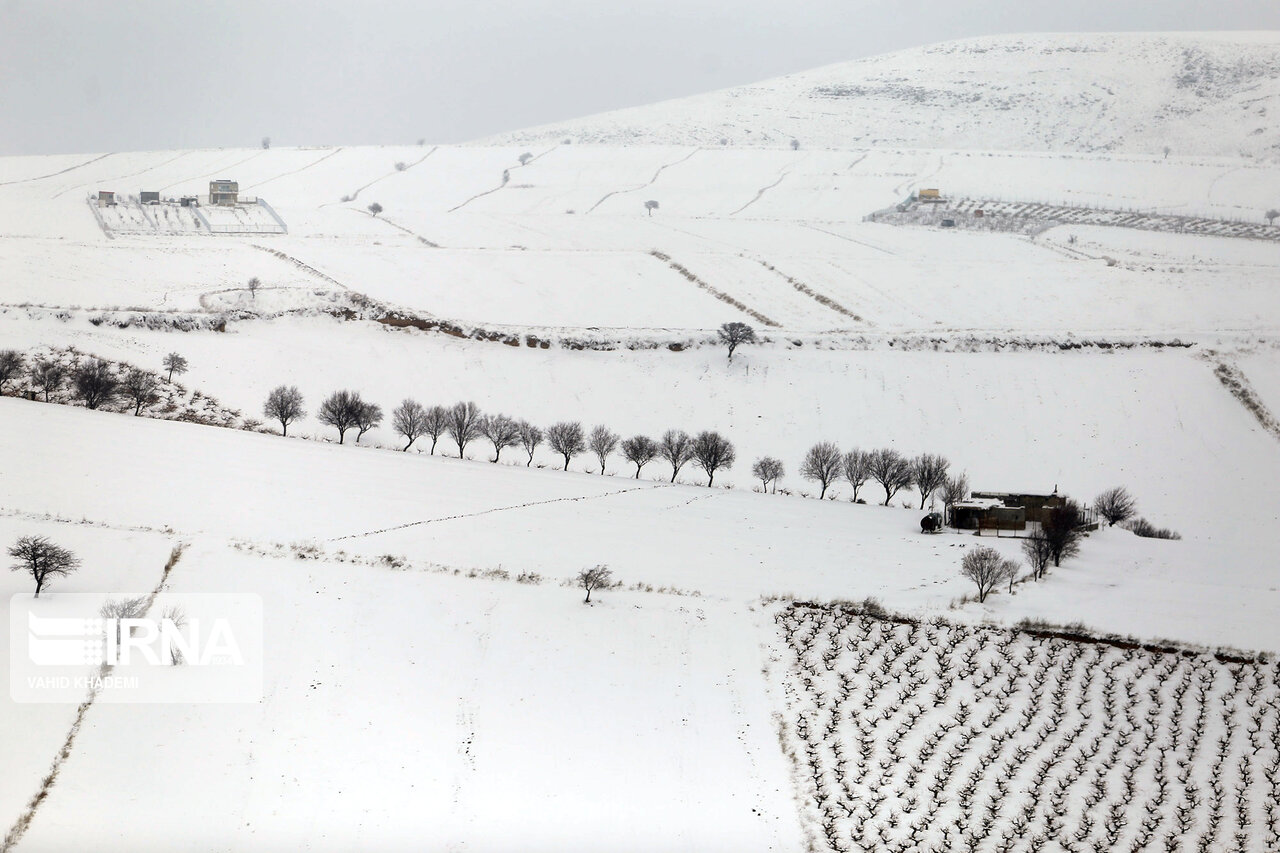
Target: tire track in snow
{"type": "Point", "coordinates": [61, 172]}
{"type": "Point", "coordinates": [650, 182]}
{"type": "Point", "coordinates": [492, 510]}
{"type": "Point", "coordinates": [506, 179]}
{"type": "Point", "coordinates": [295, 171]}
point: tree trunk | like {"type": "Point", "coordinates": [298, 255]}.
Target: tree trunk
{"type": "Point", "coordinates": [711, 478]}
{"type": "Point", "coordinates": [497, 451]}
{"type": "Point", "coordinates": [284, 428]}
{"type": "Point", "coordinates": [434, 439]}
{"type": "Point", "coordinates": [566, 461]}
{"type": "Point", "coordinates": [637, 471]}
{"type": "Point", "coordinates": [342, 436]}
{"type": "Point", "coordinates": [822, 494]}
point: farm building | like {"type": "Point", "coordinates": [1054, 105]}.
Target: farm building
{"type": "Point", "coordinates": [1033, 505]}
{"type": "Point", "coordinates": [224, 192]}
{"type": "Point", "coordinates": [987, 514]}
{"type": "Point", "coordinates": [148, 197]}
{"type": "Point", "coordinates": [106, 198]}
{"type": "Point", "coordinates": [930, 196]}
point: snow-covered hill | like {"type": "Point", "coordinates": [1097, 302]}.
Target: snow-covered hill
{"type": "Point", "coordinates": [1197, 93]}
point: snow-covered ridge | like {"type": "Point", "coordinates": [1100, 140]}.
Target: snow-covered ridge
{"type": "Point", "coordinates": [1197, 93]}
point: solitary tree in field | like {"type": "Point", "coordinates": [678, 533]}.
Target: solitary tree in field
{"type": "Point", "coordinates": [822, 464]}
{"type": "Point", "coordinates": [1167, 151]}
{"type": "Point", "coordinates": [1272, 214]}
{"type": "Point", "coordinates": [711, 452]}
{"type": "Point", "coordinates": [888, 468]}
{"type": "Point", "coordinates": [12, 363]}
{"type": "Point", "coordinates": [284, 404]}
{"type": "Point", "coordinates": [651, 206]}
{"type": "Point", "coordinates": [255, 284]}
{"type": "Point", "coordinates": [530, 438]}
{"type": "Point", "coordinates": [436, 423]}
{"type": "Point", "coordinates": [95, 383]}
{"type": "Point", "coordinates": [409, 420]}
{"type": "Point", "coordinates": [595, 578]}
{"type": "Point", "coordinates": [266, 142]}
{"type": "Point", "coordinates": [1038, 551]}
{"type": "Point", "coordinates": [602, 442]}
{"type": "Point", "coordinates": [677, 448]}
{"type": "Point", "coordinates": [525, 158]}
{"type": "Point", "coordinates": [368, 416]}
{"type": "Point", "coordinates": [1061, 527]}
{"type": "Point", "coordinates": [375, 208]}
{"type": "Point", "coordinates": [341, 410]}
{"type": "Point", "coordinates": [639, 450]}
{"type": "Point", "coordinates": [986, 568]}
{"type": "Point", "coordinates": [856, 467]}
{"type": "Point", "coordinates": [174, 363]}
{"type": "Point", "coordinates": [47, 376]}
{"type": "Point", "coordinates": [768, 471]}
{"type": "Point", "coordinates": [734, 335]}
{"type": "Point", "coordinates": [566, 439]}
{"type": "Point", "coordinates": [954, 489]}
{"type": "Point", "coordinates": [140, 387]}
{"type": "Point", "coordinates": [502, 431]}
{"type": "Point", "coordinates": [928, 472]}
{"type": "Point", "coordinates": [42, 559]}
{"type": "Point", "coordinates": [463, 425]}
{"type": "Point", "coordinates": [1116, 505]}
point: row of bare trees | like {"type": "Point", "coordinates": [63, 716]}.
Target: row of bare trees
{"type": "Point", "coordinates": [92, 381]}
{"type": "Point", "coordinates": [826, 465]}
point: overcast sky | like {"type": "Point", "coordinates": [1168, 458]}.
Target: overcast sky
{"type": "Point", "coordinates": [89, 76]}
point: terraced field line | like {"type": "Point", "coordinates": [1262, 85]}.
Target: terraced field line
{"type": "Point", "coordinates": [506, 179]}
{"type": "Point", "coordinates": [849, 239]}
{"type": "Point", "coordinates": [121, 177]}
{"type": "Point", "coordinates": [1239, 386]}
{"type": "Point", "coordinates": [220, 170]}
{"type": "Point", "coordinates": [717, 293]}
{"type": "Point", "coordinates": [302, 265]}
{"type": "Point", "coordinates": [760, 192]}
{"type": "Point", "coordinates": [355, 195]}
{"type": "Point", "coordinates": [295, 171]}
{"type": "Point", "coordinates": [649, 183]}
{"type": "Point", "coordinates": [55, 174]}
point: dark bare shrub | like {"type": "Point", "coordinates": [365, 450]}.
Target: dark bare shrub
{"type": "Point", "coordinates": [284, 404]}
{"type": "Point", "coordinates": [768, 471]}
{"type": "Point", "coordinates": [1115, 505]}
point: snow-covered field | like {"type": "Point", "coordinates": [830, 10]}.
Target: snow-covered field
{"type": "Point", "coordinates": [420, 696]}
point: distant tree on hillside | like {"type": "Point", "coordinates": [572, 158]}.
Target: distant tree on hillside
{"type": "Point", "coordinates": [369, 416]}
{"type": "Point", "coordinates": [341, 410]}
{"type": "Point", "coordinates": [1038, 551]}
{"type": "Point", "coordinates": [1167, 151]}
{"type": "Point", "coordinates": [284, 404]}
{"type": "Point", "coordinates": [599, 577]}
{"type": "Point", "coordinates": [856, 467]}
{"type": "Point", "coordinates": [1116, 505]}
{"type": "Point", "coordinates": [502, 431]}
{"type": "Point", "coordinates": [463, 425]}
{"type": "Point", "coordinates": [651, 206]}
{"type": "Point", "coordinates": [266, 142]}
{"type": "Point", "coordinates": [12, 364]}
{"type": "Point", "coordinates": [95, 383]}
{"type": "Point", "coordinates": [375, 208]}
{"type": "Point", "coordinates": [1272, 214]}
{"type": "Point", "coordinates": [530, 438]}
{"type": "Point", "coordinates": [1061, 526]}
{"type": "Point", "coordinates": [47, 376]}
{"type": "Point", "coordinates": [639, 450]}
{"type": "Point", "coordinates": [436, 423]}
{"type": "Point", "coordinates": [768, 471]}
{"type": "Point", "coordinates": [711, 452]}
{"type": "Point", "coordinates": [525, 158]}
{"type": "Point", "coordinates": [409, 420]}
{"type": "Point", "coordinates": [733, 335]}
{"type": "Point", "coordinates": [174, 363]}
{"type": "Point", "coordinates": [602, 442]}
{"type": "Point", "coordinates": [986, 568]}
{"type": "Point", "coordinates": [822, 464]}
{"type": "Point", "coordinates": [255, 284]}
{"type": "Point", "coordinates": [42, 559]}
{"type": "Point", "coordinates": [888, 468]}
{"type": "Point", "coordinates": [677, 448]}
{"type": "Point", "coordinates": [566, 439]}
{"type": "Point", "coordinates": [140, 387]}
{"type": "Point", "coordinates": [928, 472]}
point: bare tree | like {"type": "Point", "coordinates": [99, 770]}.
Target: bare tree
{"type": "Point", "coordinates": [599, 577]}
{"type": "Point", "coordinates": [928, 472]}
{"type": "Point", "coordinates": [1116, 505]}
{"type": "Point", "coordinates": [822, 464]}
{"type": "Point", "coordinates": [266, 142]}
{"type": "Point", "coordinates": [986, 568]}
{"type": "Point", "coordinates": [1037, 550]}
{"type": "Point", "coordinates": [734, 335]}
{"type": "Point", "coordinates": [341, 410]}
{"type": "Point", "coordinates": [530, 438]}
{"type": "Point", "coordinates": [463, 425]}
{"type": "Point", "coordinates": [140, 387]}
{"type": "Point", "coordinates": [409, 420]}
{"type": "Point", "coordinates": [375, 208]}
{"type": "Point", "coordinates": [502, 431]}
{"type": "Point", "coordinates": [1272, 214]}
{"type": "Point", "coordinates": [174, 363]}
{"type": "Point", "coordinates": [525, 158]}
{"type": "Point", "coordinates": [768, 471]}
{"type": "Point", "coordinates": [12, 364]}
{"type": "Point", "coordinates": [284, 404]}
{"type": "Point", "coordinates": [711, 452]}
{"type": "Point", "coordinates": [639, 450]}
{"type": "Point", "coordinates": [856, 467]}
{"type": "Point", "coordinates": [677, 448]}
{"type": "Point", "coordinates": [1061, 526]}
{"type": "Point", "coordinates": [42, 559]}
{"type": "Point", "coordinates": [95, 383]}
{"type": "Point", "coordinates": [566, 439]}
{"type": "Point", "coordinates": [888, 468]}
{"type": "Point", "coordinates": [602, 442]}
{"type": "Point", "coordinates": [255, 284]}
{"type": "Point", "coordinates": [435, 425]}
{"type": "Point", "coordinates": [651, 205]}
{"type": "Point", "coordinates": [368, 417]}
{"type": "Point", "coordinates": [47, 377]}
{"type": "Point", "coordinates": [954, 490]}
